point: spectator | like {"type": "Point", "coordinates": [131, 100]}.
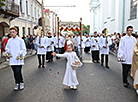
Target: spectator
{"type": "Point", "coordinates": [4, 43]}
{"type": "Point", "coordinates": [31, 43]}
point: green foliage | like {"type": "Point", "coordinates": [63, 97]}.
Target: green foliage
{"type": "Point", "coordinates": [2, 3]}
{"type": "Point", "coordinates": [86, 29]}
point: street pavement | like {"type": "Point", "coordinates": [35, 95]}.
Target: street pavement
{"type": "Point", "coordinates": [97, 84]}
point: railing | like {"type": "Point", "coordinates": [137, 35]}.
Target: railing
{"type": "Point", "coordinates": [10, 8]}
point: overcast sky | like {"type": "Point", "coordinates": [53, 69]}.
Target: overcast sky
{"type": "Point", "coordinates": [71, 13]}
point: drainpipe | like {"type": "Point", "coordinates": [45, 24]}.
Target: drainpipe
{"type": "Point", "coordinates": [123, 18]}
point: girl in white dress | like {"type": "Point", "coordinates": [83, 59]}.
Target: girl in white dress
{"type": "Point", "coordinates": [70, 78]}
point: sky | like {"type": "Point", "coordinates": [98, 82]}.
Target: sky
{"type": "Point", "coordinates": [82, 9]}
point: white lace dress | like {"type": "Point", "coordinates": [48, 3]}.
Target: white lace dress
{"type": "Point", "coordinates": [70, 78]}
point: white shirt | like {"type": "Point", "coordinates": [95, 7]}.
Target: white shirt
{"type": "Point", "coordinates": [16, 47]}
{"type": "Point", "coordinates": [126, 48]}
{"type": "Point", "coordinates": [93, 42]}
{"type": "Point", "coordinates": [49, 43]}
{"type": "Point", "coordinates": [81, 42]}
{"type": "Point", "coordinates": [102, 42]}
{"type": "Point", "coordinates": [87, 44]}
{"type": "Point", "coordinates": [42, 43]}
{"type": "Point", "coordinates": [61, 42]}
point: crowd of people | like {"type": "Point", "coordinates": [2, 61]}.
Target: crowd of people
{"type": "Point", "coordinates": [72, 47]}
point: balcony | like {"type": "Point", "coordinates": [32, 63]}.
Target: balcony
{"type": "Point", "coordinates": [10, 9]}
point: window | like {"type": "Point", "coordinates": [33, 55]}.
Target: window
{"type": "Point", "coordinates": [35, 12]}
{"type": "Point", "coordinates": [133, 9]}
{"type": "Point", "coordinates": [27, 7]}
{"type": "Point", "coordinates": [21, 5]}
{"type": "Point", "coordinates": [23, 30]}
{"type": "Point", "coordinates": [28, 31]}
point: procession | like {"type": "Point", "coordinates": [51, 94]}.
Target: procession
{"type": "Point", "coordinates": [48, 53]}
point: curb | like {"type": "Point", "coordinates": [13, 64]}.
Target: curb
{"type": "Point", "coordinates": [113, 53]}
{"type": "Point", "coordinates": [8, 62]}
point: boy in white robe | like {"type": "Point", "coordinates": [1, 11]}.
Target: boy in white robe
{"type": "Point", "coordinates": [41, 49]}
{"type": "Point", "coordinates": [16, 47]}
{"type": "Point", "coordinates": [125, 52]}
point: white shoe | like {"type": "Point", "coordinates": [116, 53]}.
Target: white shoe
{"type": "Point", "coordinates": [21, 86]}
{"type": "Point", "coordinates": [137, 92]}
{"type": "Point", "coordinates": [71, 87]}
{"type": "Point", "coordinates": [16, 87]}
{"type": "Point", "coordinates": [75, 87]}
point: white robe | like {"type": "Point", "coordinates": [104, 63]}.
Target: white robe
{"type": "Point", "coordinates": [48, 42]}
{"type": "Point", "coordinates": [102, 42]}
{"type": "Point", "coordinates": [93, 42]}
{"type": "Point", "coordinates": [70, 78]}
{"type": "Point", "coordinates": [82, 42]}
{"type": "Point", "coordinates": [87, 43]}
{"type": "Point", "coordinates": [126, 48]}
{"type": "Point", "coordinates": [76, 41]}
{"type": "Point", "coordinates": [61, 42]}
{"type": "Point", "coordinates": [41, 51]}
{"type": "Point", "coordinates": [16, 46]}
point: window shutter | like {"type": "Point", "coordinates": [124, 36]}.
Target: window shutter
{"type": "Point", "coordinates": [23, 5]}
{"type": "Point", "coordinates": [29, 6]}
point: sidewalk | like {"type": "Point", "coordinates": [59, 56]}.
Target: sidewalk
{"type": "Point", "coordinates": [5, 64]}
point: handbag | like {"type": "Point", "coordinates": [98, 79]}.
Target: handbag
{"type": "Point", "coordinates": [77, 64]}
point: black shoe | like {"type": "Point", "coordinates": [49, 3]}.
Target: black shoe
{"type": "Point", "coordinates": [51, 60]}
{"type": "Point", "coordinates": [92, 60]}
{"type": "Point", "coordinates": [39, 66]}
{"type": "Point", "coordinates": [107, 67]}
{"type": "Point", "coordinates": [101, 64]}
{"type": "Point", "coordinates": [43, 66]}
{"type": "Point", "coordinates": [125, 85]}
{"type": "Point", "coordinates": [97, 61]}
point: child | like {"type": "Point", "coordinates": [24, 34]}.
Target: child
{"type": "Point", "coordinates": [70, 78]}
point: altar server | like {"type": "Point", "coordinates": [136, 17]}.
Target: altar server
{"type": "Point", "coordinates": [59, 44]}
{"type": "Point", "coordinates": [50, 47]}
{"type": "Point", "coordinates": [95, 48]}
{"type": "Point", "coordinates": [87, 44]}
{"type": "Point", "coordinates": [41, 49]}
{"type": "Point", "coordinates": [104, 43]}
{"type": "Point", "coordinates": [81, 45]}
{"type": "Point", "coordinates": [125, 52]}
{"type": "Point", "coordinates": [16, 47]}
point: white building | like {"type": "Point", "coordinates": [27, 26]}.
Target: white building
{"type": "Point", "coordinates": [115, 15]}
{"type": "Point", "coordinates": [25, 16]}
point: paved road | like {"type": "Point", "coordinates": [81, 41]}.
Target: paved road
{"type": "Point", "coordinates": [97, 84]}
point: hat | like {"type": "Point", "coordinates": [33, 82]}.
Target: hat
{"type": "Point", "coordinates": [69, 42]}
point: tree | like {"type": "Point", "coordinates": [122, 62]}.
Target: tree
{"type": "Point", "coordinates": [86, 29]}
{"type": "Point", "coordinates": [2, 3]}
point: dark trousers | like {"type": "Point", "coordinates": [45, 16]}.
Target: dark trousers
{"type": "Point", "coordinates": [125, 69]}
{"type": "Point", "coordinates": [106, 60]}
{"type": "Point", "coordinates": [86, 49]}
{"type": "Point", "coordinates": [43, 60]}
{"type": "Point", "coordinates": [17, 73]}
{"type": "Point", "coordinates": [49, 55]}
{"type": "Point", "coordinates": [95, 55]}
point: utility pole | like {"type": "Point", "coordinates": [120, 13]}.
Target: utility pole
{"type": "Point", "coordinates": [42, 15]}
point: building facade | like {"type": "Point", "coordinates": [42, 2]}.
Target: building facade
{"type": "Point", "coordinates": [115, 15]}
{"type": "Point", "coordinates": [29, 12]}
